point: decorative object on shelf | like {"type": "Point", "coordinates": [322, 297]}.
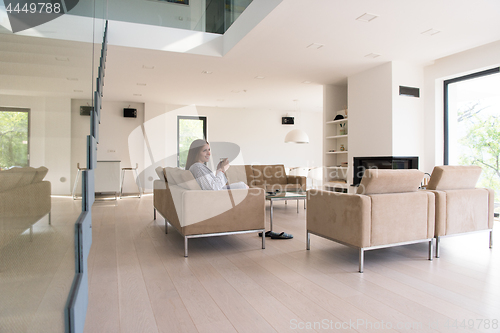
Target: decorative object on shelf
{"type": "Point", "coordinates": [342, 148]}
{"type": "Point", "coordinates": [338, 117]}
{"type": "Point", "coordinates": [297, 135]}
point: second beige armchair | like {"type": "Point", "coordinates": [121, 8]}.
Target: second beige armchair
{"type": "Point", "coordinates": [388, 210]}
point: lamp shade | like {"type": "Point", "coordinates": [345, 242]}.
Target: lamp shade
{"type": "Point", "coordinates": [297, 136]}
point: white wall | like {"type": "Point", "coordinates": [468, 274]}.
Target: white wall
{"type": "Point", "coordinates": [257, 132]}
{"type": "Point", "coordinates": [50, 131]}
{"type": "Point", "coordinates": [459, 64]}
{"type": "Point", "coordinates": [407, 112]}
{"type": "Point", "coordinates": [370, 112]}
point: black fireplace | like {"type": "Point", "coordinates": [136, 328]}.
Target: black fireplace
{"type": "Point", "coordinates": [360, 164]}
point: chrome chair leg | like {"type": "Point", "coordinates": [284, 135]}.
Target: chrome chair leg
{"type": "Point", "coordinates": [361, 259]}
{"type": "Point", "coordinates": [491, 239]}
{"type": "Point", "coordinates": [185, 246]}
{"type": "Point", "coordinates": [308, 241]}
{"type": "Point", "coordinates": [431, 248]}
{"type": "Point", "coordinates": [437, 246]}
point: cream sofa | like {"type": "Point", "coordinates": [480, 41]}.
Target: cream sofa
{"type": "Point", "coordinates": [24, 200]}
{"type": "Point", "coordinates": [268, 177]}
{"type": "Point", "coordinates": [388, 210]}
{"type": "Point", "coordinates": [196, 213]}
{"type": "Point", "coordinates": [460, 206]}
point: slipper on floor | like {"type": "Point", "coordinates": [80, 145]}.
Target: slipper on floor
{"type": "Point", "coordinates": [269, 234]}
{"type": "Point", "coordinates": [282, 235]}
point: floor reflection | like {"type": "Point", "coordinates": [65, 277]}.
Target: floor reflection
{"type": "Point", "coordinates": [37, 267]}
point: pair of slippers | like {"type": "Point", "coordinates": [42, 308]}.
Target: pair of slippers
{"type": "Point", "coordinates": [275, 235]}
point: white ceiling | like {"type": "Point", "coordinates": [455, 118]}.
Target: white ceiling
{"type": "Point", "coordinates": [275, 49]}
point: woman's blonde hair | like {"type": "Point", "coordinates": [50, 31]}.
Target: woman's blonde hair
{"type": "Point", "coordinates": [194, 150]}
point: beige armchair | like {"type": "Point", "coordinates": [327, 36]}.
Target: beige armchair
{"type": "Point", "coordinates": [388, 210]}
{"type": "Point", "coordinates": [196, 213]}
{"type": "Point", "coordinates": [460, 206]}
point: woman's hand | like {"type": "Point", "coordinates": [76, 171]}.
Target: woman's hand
{"type": "Point", "coordinates": [223, 165]}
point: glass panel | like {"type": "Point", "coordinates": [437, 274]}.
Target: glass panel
{"type": "Point", "coordinates": [190, 129]}
{"type": "Point", "coordinates": [51, 78]}
{"type": "Point", "coordinates": [13, 139]}
{"type": "Point", "coordinates": [474, 128]}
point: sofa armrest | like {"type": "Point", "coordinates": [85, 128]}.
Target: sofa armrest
{"type": "Point", "coordinates": [340, 216]}
{"type": "Point", "coordinates": [302, 180]}
{"type": "Point", "coordinates": [241, 206]}
{"type": "Point", "coordinates": [440, 209]}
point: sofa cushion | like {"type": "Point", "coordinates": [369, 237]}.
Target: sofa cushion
{"type": "Point", "coordinates": [40, 173]}
{"type": "Point", "coordinates": [17, 177]}
{"type": "Point", "coordinates": [378, 181]}
{"type": "Point", "coordinates": [182, 178]}
{"type": "Point", "coordinates": [236, 173]}
{"type": "Point", "coordinates": [161, 174]}
{"type": "Point", "coordinates": [9, 179]}
{"type": "Point", "coordinates": [454, 177]}
{"type": "Point", "coordinates": [268, 175]}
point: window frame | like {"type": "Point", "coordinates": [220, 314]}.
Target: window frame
{"type": "Point", "coordinates": [446, 85]}
{"type": "Point", "coordinates": [18, 109]}
{"type": "Point", "coordinates": [203, 118]}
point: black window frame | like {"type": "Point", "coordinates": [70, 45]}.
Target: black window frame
{"type": "Point", "coordinates": [446, 104]}
{"type": "Point", "coordinates": [203, 118]}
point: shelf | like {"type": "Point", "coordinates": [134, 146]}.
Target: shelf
{"type": "Point", "coordinates": [337, 136]}
{"type": "Point", "coordinates": [336, 167]}
{"type": "Point", "coordinates": [337, 121]}
{"type": "Point", "coordinates": [337, 152]}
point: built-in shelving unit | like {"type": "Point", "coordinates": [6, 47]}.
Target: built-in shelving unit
{"type": "Point", "coordinates": [336, 151]}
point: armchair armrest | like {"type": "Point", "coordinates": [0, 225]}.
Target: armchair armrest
{"type": "Point", "coordinates": [301, 180]}
{"type": "Point", "coordinates": [343, 217]}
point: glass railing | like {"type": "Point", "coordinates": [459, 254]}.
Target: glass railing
{"type": "Point", "coordinates": [214, 16]}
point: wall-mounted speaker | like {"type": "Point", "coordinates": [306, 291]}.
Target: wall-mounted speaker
{"type": "Point", "coordinates": [409, 91]}
{"type": "Point", "coordinates": [85, 110]}
{"type": "Point", "coordinates": [130, 113]}
{"type": "Point", "coordinates": [287, 121]}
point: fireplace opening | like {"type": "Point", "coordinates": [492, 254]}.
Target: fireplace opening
{"type": "Point", "coordinates": [360, 164]}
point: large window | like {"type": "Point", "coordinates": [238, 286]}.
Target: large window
{"type": "Point", "coordinates": [472, 125]}
{"type": "Point", "coordinates": [189, 128]}
{"type": "Point", "coordinates": [14, 137]}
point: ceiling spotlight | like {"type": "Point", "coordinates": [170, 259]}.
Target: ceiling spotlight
{"type": "Point", "coordinates": [315, 46]}
{"type": "Point", "coordinates": [430, 32]}
{"type": "Point", "coordinates": [78, 91]}
{"type": "Point", "coordinates": [148, 67]}
{"type": "Point", "coordinates": [306, 82]}
{"type": "Point", "coordinates": [72, 79]}
{"type": "Point", "coordinates": [62, 58]}
{"type": "Point", "coordinates": [367, 17]}
{"type": "Point", "coordinates": [206, 72]}
{"type": "Point", "coordinates": [235, 91]}
{"type": "Point", "coordinates": [260, 77]}
{"type": "Point", "coordinates": [137, 94]}
{"type": "Point", "coordinates": [372, 55]}
{"type": "Point", "coordinates": [141, 84]}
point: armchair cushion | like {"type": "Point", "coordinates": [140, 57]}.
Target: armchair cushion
{"type": "Point", "coordinates": [454, 177]}
{"type": "Point", "coordinates": [379, 181]}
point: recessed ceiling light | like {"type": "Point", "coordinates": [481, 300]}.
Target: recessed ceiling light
{"type": "Point", "coordinates": [220, 100]}
{"type": "Point", "coordinates": [148, 67]}
{"type": "Point", "coordinates": [367, 17]}
{"type": "Point", "coordinates": [78, 90]}
{"type": "Point", "coordinates": [306, 82]}
{"type": "Point", "coordinates": [206, 72]}
{"type": "Point", "coordinates": [137, 94]}
{"type": "Point", "coordinates": [235, 91]}
{"type": "Point", "coordinates": [315, 46]}
{"type": "Point", "coordinates": [72, 79]}
{"type": "Point", "coordinates": [430, 32]}
{"type": "Point", "coordinates": [141, 84]}
{"type": "Point", "coordinates": [260, 77]}
{"type": "Point", "coordinates": [62, 58]}
{"type": "Point", "coordinates": [372, 55]}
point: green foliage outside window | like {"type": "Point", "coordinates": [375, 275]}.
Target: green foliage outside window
{"type": "Point", "coordinates": [189, 130]}
{"type": "Point", "coordinates": [13, 139]}
{"type": "Point", "coordinates": [482, 145]}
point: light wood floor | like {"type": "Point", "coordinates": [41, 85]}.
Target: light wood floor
{"type": "Point", "coordinates": [139, 280]}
